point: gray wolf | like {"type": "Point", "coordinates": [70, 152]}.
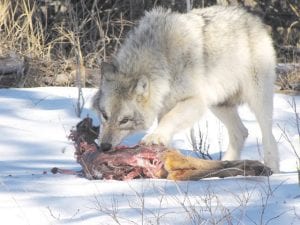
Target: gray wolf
{"type": "Point", "coordinates": [175, 66]}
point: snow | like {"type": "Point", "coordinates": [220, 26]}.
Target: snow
{"type": "Point", "coordinates": [35, 123]}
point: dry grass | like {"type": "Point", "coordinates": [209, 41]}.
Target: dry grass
{"type": "Point", "coordinates": [54, 46]}
{"type": "Point", "coordinates": [210, 207]}
{"type": "Point", "coordinates": [23, 33]}
{"type": "Point", "coordinates": [54, 36]}
{"type": "Point", "coordinates": [20, 32]}
{"type": "Point", "coordinates": [288, 78]}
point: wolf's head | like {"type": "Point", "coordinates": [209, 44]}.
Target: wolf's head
{"type": "Point", "coordinates": [122, 105]}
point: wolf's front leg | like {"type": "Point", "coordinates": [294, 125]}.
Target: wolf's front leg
{"type": "Point", "coordinates": [182, 116]}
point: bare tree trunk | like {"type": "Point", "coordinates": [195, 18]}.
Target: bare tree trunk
{"type": "Point", "coordinates": [189, 5]}
{"type": "Point", "coordinates": [79, 83]}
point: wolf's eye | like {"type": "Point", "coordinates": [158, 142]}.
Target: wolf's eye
{"type": "Point", "coordinates": [104, 115]}
{"type": "Point", "coordinates": [125, 120]}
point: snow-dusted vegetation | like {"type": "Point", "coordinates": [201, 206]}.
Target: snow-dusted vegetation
{"type": "Point", "coordinates": [34, 127]}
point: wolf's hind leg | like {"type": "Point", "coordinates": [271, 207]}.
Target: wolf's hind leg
{"type": "Point", "coordinates": [237, 132]}
{"type": "Point", "coordinates": [262, 107]}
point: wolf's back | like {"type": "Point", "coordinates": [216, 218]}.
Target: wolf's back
{"type": "Point", "coordinates": [172, 41]}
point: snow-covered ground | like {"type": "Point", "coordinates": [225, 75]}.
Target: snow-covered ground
{"type": "Point", "coordinates": [35, 123]}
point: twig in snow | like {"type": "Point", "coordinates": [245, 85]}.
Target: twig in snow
{"type": "Point", "coordinates": [287, 137]}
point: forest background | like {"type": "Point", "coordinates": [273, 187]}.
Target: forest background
{"type": "Point", "coordinates": [51, 42]}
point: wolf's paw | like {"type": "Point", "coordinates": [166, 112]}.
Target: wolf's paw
{"type": "Point", "coordinates": [155, 139]}
{"type": "Point", "coordinates": [231, 155]}
{"type": "Point", "coordinates": [273, 164]}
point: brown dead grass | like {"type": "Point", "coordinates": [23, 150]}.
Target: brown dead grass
{"type": "Point", "coordinates": [55, 36]}
{"type": "Point", "coordinates": [54, 42]}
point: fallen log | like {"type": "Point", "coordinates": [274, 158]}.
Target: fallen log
{"type": "Point", "coordinates": [155, 161]}
{"type": "Point", "coordinates": [11, 64]}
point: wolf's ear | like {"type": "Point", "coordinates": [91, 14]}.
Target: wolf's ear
{"type": "Point", "coordinates": [107, 69]}
{"type": "Point", "coordinates": [142, 87]}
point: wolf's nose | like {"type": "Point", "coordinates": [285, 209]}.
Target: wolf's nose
{"type": "Point", "coordinates": [105, 146]}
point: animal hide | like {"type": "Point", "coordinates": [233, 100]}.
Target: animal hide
{"type": "Point", "coordinates": [123, 163]}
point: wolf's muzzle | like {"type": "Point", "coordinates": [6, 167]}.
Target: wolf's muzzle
{"type": "Point", "coordinates": [105, 146]}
